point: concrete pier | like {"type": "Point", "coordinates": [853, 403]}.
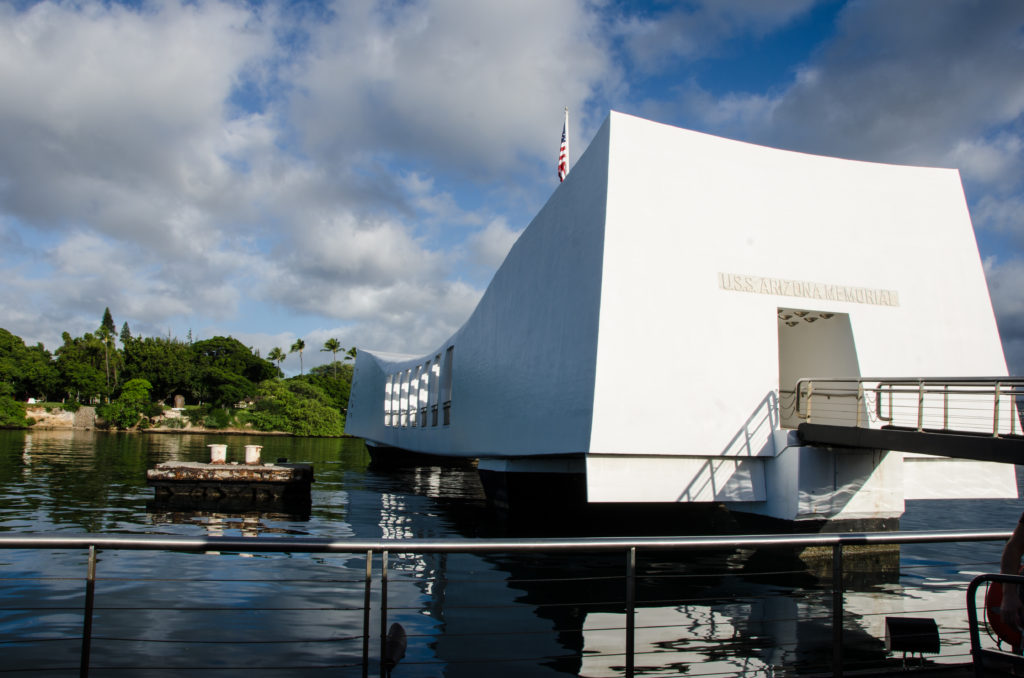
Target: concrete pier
{"type": "Point", "coordinates": [231, 486]}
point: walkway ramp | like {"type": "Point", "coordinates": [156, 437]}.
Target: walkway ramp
{"type": "Point", "coordinates": [973, 418]}
{"type": "Point", "coordinates": [961, 445]}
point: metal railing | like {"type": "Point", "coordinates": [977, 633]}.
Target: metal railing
{"type": "Point", "coordinates": [957, 404]}
{"type": "Point", "coordinates": [629, 547]}
{"type": "Point", "coordinates": [989, 662]}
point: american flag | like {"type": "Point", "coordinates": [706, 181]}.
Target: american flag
{"type": "Point", "coordinates": [563, 152]}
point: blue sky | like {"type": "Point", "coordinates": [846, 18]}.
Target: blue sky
{"type": "Point", "coordinates": [358, 170]}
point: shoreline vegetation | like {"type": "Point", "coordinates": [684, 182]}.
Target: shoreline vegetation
{"type": "Point", "coordinates": [109, 381]}
{"type": "Point", "coordinates": [44, 418]}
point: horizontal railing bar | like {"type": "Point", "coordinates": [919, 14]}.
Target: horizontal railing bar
{"type": "Point", "coordinates": [980, 380]}
{"type": "Point", "coordinates": [127, 608]}
{"type": "Point", "coordinates": [205, 669]}
{"type": "Point", "coordinates": [911, 390]}
{"type": "Point", "coordinates": [907, 404]}
{"type": "Point", "coordinates": [165, 580]}
{"type": "Point", "coordinates": [314, 545]}
{"type": "Point", "coordinates": [197, 641]}
{"type": "Point", "coordinates": [69, 670]}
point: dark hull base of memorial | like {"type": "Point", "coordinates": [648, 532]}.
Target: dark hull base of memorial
{"type": "Point", "coordinates": [527, 496]}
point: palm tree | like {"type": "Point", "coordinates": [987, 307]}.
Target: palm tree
{"type": "Point", "coordinates": [276, 355]}
{"type": "Point", "coordinates": [298, 346]}
{"type": "Point", "coordinates": [351, 354]}
{"type": "Point", "coordinates": [333, 346]}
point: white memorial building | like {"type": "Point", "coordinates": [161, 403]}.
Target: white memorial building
{"type": "Point", "coordinates": [647, 330]}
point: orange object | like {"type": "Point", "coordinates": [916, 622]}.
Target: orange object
{"type": "Point", "coordinates": [1005, 632]}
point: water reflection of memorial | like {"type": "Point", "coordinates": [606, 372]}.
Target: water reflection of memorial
{"type": "Point", "coordinates": [731, 612]}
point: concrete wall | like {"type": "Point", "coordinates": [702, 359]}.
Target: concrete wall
{"type": "Point", "coordinates": [706, 240]}
{"type": "Point", "coordinates": [685, 208]}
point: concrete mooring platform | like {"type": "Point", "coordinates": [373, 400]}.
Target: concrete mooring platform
{"type": "Point", "coordinates": [219, 485]}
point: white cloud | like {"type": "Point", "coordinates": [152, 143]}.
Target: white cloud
{"type": "Point", "coordinates": [1001, 214]}
{"type": "Point", "coordinates": [994, 163]}
{"type": "Point", "coordinates": [1005, 282]}
{"type": "Point", "coordinates": [168, 203]}
{"type": "Point", "coordinates": [734, 110]}
{"type": "Point", "coordinates": [473, 86]}
{"type": "Point", "coordinates": [907, 82]}
{"type": "Point", "coordinates": [487, 248]}
{"type": "Point", "coordinates": [433, 206]}
{"type": "Point", "coordinates": [111, 115]}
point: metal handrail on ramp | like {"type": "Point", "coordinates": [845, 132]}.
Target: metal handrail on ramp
{"type": "Point", "coordinates": [963, 417]}
{"type": "Point", "coordinates": [970, 405]}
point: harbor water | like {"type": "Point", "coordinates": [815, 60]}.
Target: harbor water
{"type": "Point", "coordinates": [292, 614]}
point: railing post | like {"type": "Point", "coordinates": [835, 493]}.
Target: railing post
{"type": "Point", "coordinates": [366, 614]}
{"type": "Point", "coordinates": [630, 609]}
{"type": "Point", "coordinates": [878, 389]}
{"type": "Point", "coordinates": [1013, 410]}
{"type": "Point", "coordinates": [860, 402]}
{"type": "Point", "coordinates": [945, 407]}
{"type": "Point", "coordinates": [383, 611]}
{"type": "Point", "coordinates": [995, 414]}
{"type": "Point", "coordinates": [90, 592]}
{"type": "Point", "coordinates": [920, 405]}
{"type": "Point", "coordinates": [810, 394]}
{"type": "Point", "coordinates": [837, 610]}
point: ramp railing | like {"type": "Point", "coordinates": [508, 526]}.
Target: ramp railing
{"type": "Point", "coordinates": [975, 405]}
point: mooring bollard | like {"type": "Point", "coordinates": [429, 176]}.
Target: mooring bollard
{"type": "Point", "coordinates": [218, 454]}
{"type": "Point", "coordinates": [252, 454]}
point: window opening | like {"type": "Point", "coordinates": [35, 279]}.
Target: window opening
{"type": "Point", "coordinates": [435, 381]}
{"type": "Point", "coordinates": [424, 392]}
{"type": "Point", "coordinates": [414, 396]}
{"type": "Point", "coordinates": [446, 385]}
{"type": "Point", "coordinates": [404, 404]}
{"type": "Point", "coordinates": [396, 389]}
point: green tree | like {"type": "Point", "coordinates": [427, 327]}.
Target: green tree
{"type": "Point", "coordinates": [227, 371]}
{"type": "Point", "coordinates": [79, 364]}
{"type": "Point", "coordinates": [223, 388]}
{"type": "Point", "coordinates": [332, 346]}
{"type": "Point", "coordinates": [28, 369]}
{"type": "Point", "coordinates": [297, 407]}
{"type": "Point", "coordinates": [350, 354]}
{"type": "Point", "coordinates": [12, 412]}
{"type": "Point", "coordinates": [126, 410]}
{"type": "Point", "coordinates": [276, 355]}
{"type": "Point", "coordinates": [335, 380]}
{"type": "Point", "coordinates": [167, 364]}
{"type": "Point", "coordinates": [298, 347]}
{"type": "Point", "coordinates": [39, 377]}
